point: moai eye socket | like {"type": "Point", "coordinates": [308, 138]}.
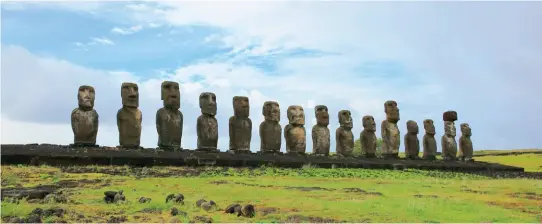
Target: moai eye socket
{"type": "Point", "coordinates": [136, 88]}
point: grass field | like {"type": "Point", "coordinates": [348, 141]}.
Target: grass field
{"type": "Point", "coordinates": [286, 195]}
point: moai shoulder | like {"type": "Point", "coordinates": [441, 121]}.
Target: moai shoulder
{"type": "Point", "coordinates": [294, 132]}
{"type": "Point", "coordinates": [343, 135]}
{"type": "Point", "coordinates": [169, 119]}
{"type": "Point", "coordinates": [320, 131]}
{"type": "Point", "coordinates": [240, 125]}
{"type": "Point", "coordinates": [429, 142]}
{"type": "Point", "coordinates": [368, 137]}
{"type": "Point", "coordinates": [391, 138]}
{"type": "Point", "coordinates": [84, 119]}
{"type": "Point", "coordinates": [129, 117]}
{"type": "Point", "coordinates": [207, 125]}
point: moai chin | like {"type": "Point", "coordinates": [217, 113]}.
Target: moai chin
{"type": "Point", "coordinates": [270, 129]}
{"type": "Point", "coordinates": [343, 136]}
{"type": "Point", "coordinates": [240, 125]}
{"type": "Point", "coordinates": [320, 131]}
{"type": "Point", "coordinates": [129, 117]}
{"type": "Point", "coordinates": [429, 141]}
{"type": "Point", "coordinates": [169, 119]}
{"type": "Point", "coordinates": [449, 145]}
{"type": "Point", "coordinates": [368, 136]}
{"type": "Point", "coordinates": [84, 119]}
{"type": "Point", "coordinates": [465, 143]}
{"type": "Point", "coordinates": [207, 125]}
{"type": "Point", "coordinates": [412, 144]}
{"type": "Point", "coordinates": [391, 138]}
{"type": "Point", "coordinates": [294, 132]}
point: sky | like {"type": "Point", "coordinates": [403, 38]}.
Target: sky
{"type": "Point", "coordinates": [481, 59]}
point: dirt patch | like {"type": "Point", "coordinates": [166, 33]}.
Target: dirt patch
{"type": "Point", "coordinates": [311, 219]}
{"type": "Point", "coordinates": [137, 171]}
{"type": "Point", "coordinates": [354, 190]}
{"type": "Point", "coordinates": [201, 219]}
{"type": "Point", "coordinates": [117, 219]}
{"type": "Point", "coordinates": [151, 210]}
{"type": "Point", "coordinates": [266, 210]}
{"type": "Point", "coordinates": [468, 190]}
{"type": "Point", "coordinates": [218, 182]}
{"type": "Point", "coordinates": [514, 206]}
{"type": "Point", "coordinates": [83, 183]}
{"type": "Point", "coordinates": [425, 196]}
{"type": "Point", "coordinates": [309, 188]}
{"type": "Point", "coordinates": [527, 195]}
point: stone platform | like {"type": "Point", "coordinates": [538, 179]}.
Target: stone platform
{"type": "Point", "coordinates": [58, 155]}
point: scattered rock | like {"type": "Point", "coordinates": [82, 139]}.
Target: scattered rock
{"type": "Point", "coordinates": [354, 190]}
{"type": "Point", "coordinates": [248, 211]}
{"type": "Point", "coordinates": [218, 182]}
{"type": "Point", "coordinates": [117, 219]}
{"type": "Point", "coordinates": [267, 210]}
{"type": "Point", "coordinates": [174, 211]}
{"type": "Point", "coordinates": [151, 210]}
{"type": "Point", "coordinates": [310, 219]}
{"type": "Point", "coordinates": [199, 202]}
{"type": "Point", "coordinates": [144, 200]}
{"type": "Point", "coordinates": [233, 209]}
{"type": "Point", "coordinates": [201, 219]}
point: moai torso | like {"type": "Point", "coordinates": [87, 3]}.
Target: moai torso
{"type": "Point", "coordinates": [207, 125]}
{"type": "Point", "coordinates": [465, 143]}
{"type": "Point", "coordinates": [391, 138]}
{"type": "Point", "coordinates": [412, 144]}
{"type": "Point", "coordinates": [368, 137]}
{"type": "Point", "coordinates": [240, 125]}
{"type": "Point", "coordinates": [84, 119]}
{"type": "Point", "coordinates": [449, 145]}
{"type": "Point", "coordinates": [429, 142]}
{"type": "Point", "coordinates": [343, 135]}
{"type": "Point", "coordinates": [169, 120]}
{"type": "Point", "coordinates": [294, 132]}
{"type": "Point", "coordinates": [129, 117]}
{"type": "Point", "coordinates": [320, 131]}
{"type": "Point", "coordinates": [270, 129]}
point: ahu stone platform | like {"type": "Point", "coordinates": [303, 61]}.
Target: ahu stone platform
{"type": "Point", "coordinates": [58, 155]}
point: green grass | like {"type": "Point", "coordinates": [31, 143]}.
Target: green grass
{"type": "Point", "coordinates": [449, 197]}
{"type": "Point", "coordinates": [499, 152]}
{"type": "Point", "coordinates": [531, 162]}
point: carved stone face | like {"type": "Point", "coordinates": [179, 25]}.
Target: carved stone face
{"type": "Point", "coordinates": [296, 115]}
{"type": "Point", "coordinates": [322, 115]}
{"type": "Point", "coordinates": [369, 123]}
{"type": "Point", "coordinates": [241, 107]}
{"type": "Point", "coordinates": [271, 111]}
{"type": "Point", "coordinates": [392, 111]}
{"type": "Point", "coordinates": [429, 126]}
{"type": "Point", "coordinates": [171, 95]}
{"type": "Point", "coordinates": [465, 129]}
{"type": "Point", "coordinates": [130, 94]}
{"type": "Point", "coordinates": [86, 96]}
{"type": "Point", "coordinates": [345, 119]}
{"type": "Point", "coordinates": [412, 127]}
{"type": "Point", "coordinates": [449, 128]}
{"type": "Point", "coordinates": [207, 103]}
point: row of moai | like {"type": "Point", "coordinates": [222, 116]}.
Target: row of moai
{"type": "Point", "coordinates": [169, 125]}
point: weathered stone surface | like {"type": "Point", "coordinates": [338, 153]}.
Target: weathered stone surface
{"type": "Point", "coordinates": [169, 120]}
{"type": "Point", "coordinates": [368, 137]}
{"type": "Point", "coordinates": [412, 144]}
{"type": "Point", "coordinates": [294, 132]}
{"type": "Point", "coordinates": [320, 131]}
{"type": "Point", "coordinates": [449, 145]}
{"type": "Point", "coordinates": [465, 143]}
{"type": "Point", "coordinates": [84, 119]}
{"type": "Point", "coordinates": [240, 125]}
{"type": "Point", "coordinates": [207, 125]}
{"type": "Point", "coordinates": [429, 141]}
{"type": "Point", "coordinates": [391, 138]}
{"type": "Point", "coordinates": [343, 136]}
{"type": "Point", "coordinates": [270, 129]}
{"type": "Point", "coordinates": [449, 116]}
{"type": "Point", "coordinates": [129, 117]}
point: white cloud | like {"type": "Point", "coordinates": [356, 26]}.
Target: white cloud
{"type": "Point", "coordinates": [101, 40]}
{"type": "Point", "coordinates": [127, 31]}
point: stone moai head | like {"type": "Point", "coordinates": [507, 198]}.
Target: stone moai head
{"type": "Point", "coordinates": [207, 103]}
{"type": "Point", "coordinates": [449, 128]}
{"type": "Point", "coordinates": [271, 111]}
{"type": "Point", "coordinates": [429, 127]}
{"type": "Point", "coordinates": [171, 95]}
{"type": "Point", "coordinates": [345, 119]}
{"type": "Point", "coordinates": [369, 123]}
{"type": "Point", "coordinates": [412, 127]}
{"type": "Point", "coordinates": [449, 116]}
{"type": "Point", "coordinates": [465, 129]}
{"type": "Point", "coordinates": [322, 115]}
{"type": "Point", "coordinates": [296, 115]}
{"type": "Point", "coordinates": [241, 107]}
{"type": "Point", "coordinates": [130, 94]}
{"type": "Point", "coordinates": [85, 97]}
{"type": "Point", "coordinates": [392, 111]}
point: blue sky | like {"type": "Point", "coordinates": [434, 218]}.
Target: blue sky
{"type": "Point", "coordinates": [482, 59]}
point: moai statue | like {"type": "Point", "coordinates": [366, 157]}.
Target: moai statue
{"type": "Point", "coordinates": [84, 118]}
{"type": "Point", "coordinates": [429, 142]}
{"type": "Point", "coordinates": [270, 129]}
{"type": "Point", "coordinates": [169, 120]}
{"type": "Point", "coordinates": [207, 126]}
{"type": "Point", "coordinates": [320, 131]}
{"type": "Point", "coordinates": [368, 137]}
{"type": "Point", "coordinates": [412, 144]}
{"type": "Point", "coordinates": [449, 145]}
{"type": "Point", "coordinates": [129, 117]}
{"type": "Point", "coordinates": [240, 125]}
{"type": "Point", "coordinates": [294, 132]}
{"type": "Point", "coordinates": [465, 143]}
{"type": "Point", "coordinates": [391, 138]}
{"type": "Point", "coordinates": [343, 136]}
